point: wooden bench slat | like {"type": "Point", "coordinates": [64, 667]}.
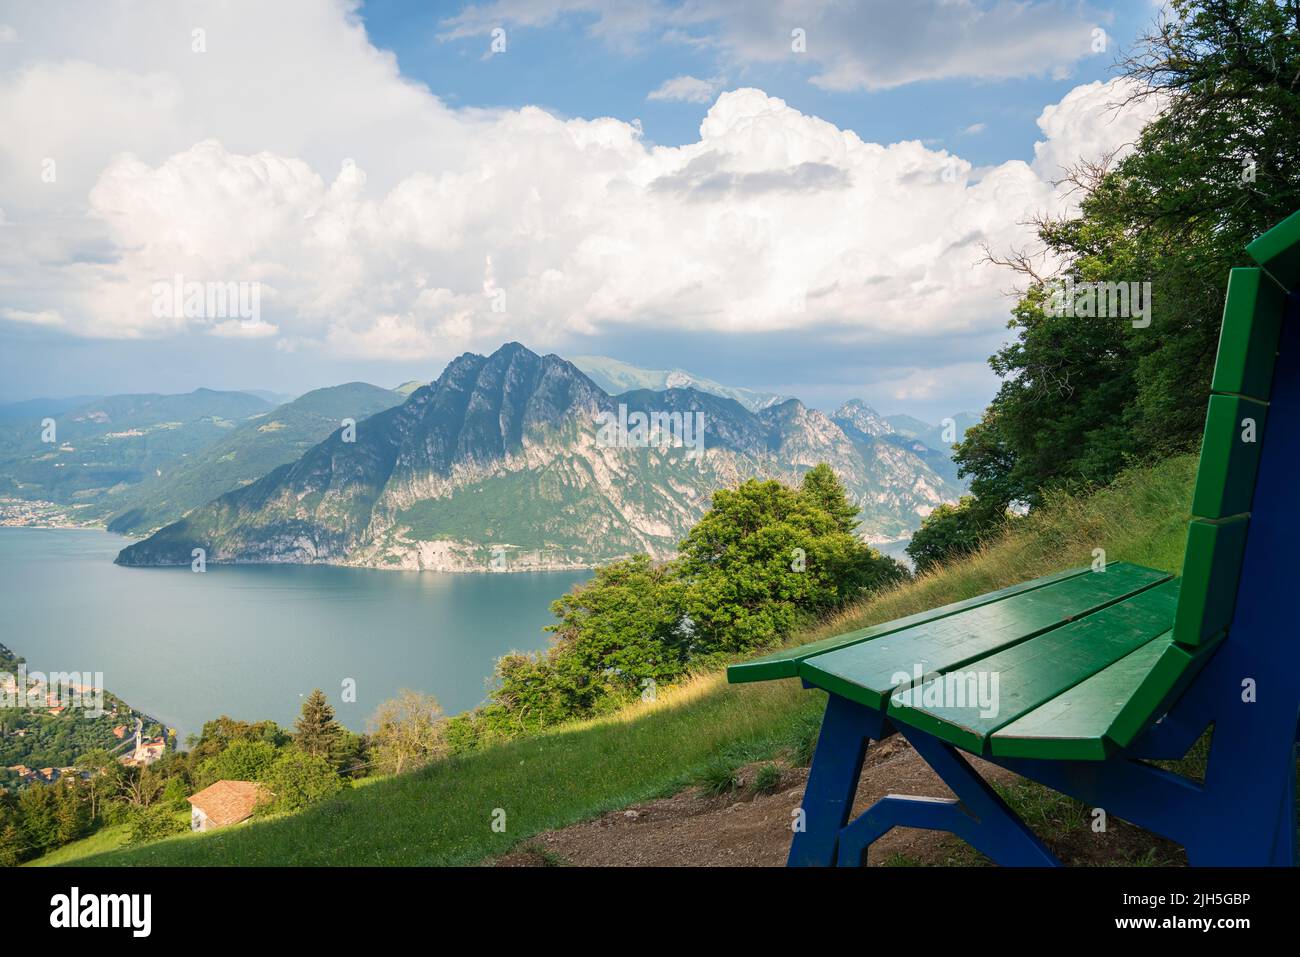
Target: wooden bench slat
{"type": "Point", "coordinates": [785, 663]}
{"type": "Point", "coordinates": [1211, 567]}
{"type": "Point", "coordinates": [1106, 712]}
{"type": "Point", "coordinates": [867, 672]}
{"type": "Point", "coordinates": [1278, 251]}
{"type": "Point", "coordinates": [1074, 724]}
{"type": "Point", "coordinates": [1248, 339]}
{"type": "Point", "coordinates": [1171, 675]}
{"type": "Point", "coordinates": [1225, 477]}
{"type": "Point", "coordinates": [1034, 672]}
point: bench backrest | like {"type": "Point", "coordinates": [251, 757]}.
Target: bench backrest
{"type": "Point", "coordinates": [1242, 391]}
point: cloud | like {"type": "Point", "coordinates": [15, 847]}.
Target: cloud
{"type": "Point", "coordinates": [685, 89]}
{"type": "Point", "coordinates": [380, 224]}
{"type": "Point", "coordinates": [7, 33]}
{"type": "Point", "coordinates": [867, 45]}
{"type": "Point", "coordinates": [46, 317]}
{"type": "Point", "coordinates": [974, 129]}
{"type": "Point", "coordinates": [1090, 120]}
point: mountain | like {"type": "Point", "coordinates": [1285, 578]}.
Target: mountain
{"type": "Point", "coordinates": [248, 452]}
{"type": "Point", "coordinates": [615, 376]}
{"type": "Point", "coordinates": [935, 436]}
{"type": "Point", "coordinates": [508, 461]}
{"type": "Point", "coordinates": [39, 408]}
{"type": "Point", "coordinates": [275, 398]}
{"type": "Point", "coordinates": [106, 447]}
{"type": "Point", "coordinates": [908, 425]}
{"type": "Point", "coordinates": [406, 388]}
{"type": "Point", "coordinates": [876, 435]}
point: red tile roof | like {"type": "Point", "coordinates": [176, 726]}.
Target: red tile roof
{"type": "Point", "coordinates": [229, 802]}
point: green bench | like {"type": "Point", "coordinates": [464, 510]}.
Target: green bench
{"type": "Point", "coordinates": [1079, 679]}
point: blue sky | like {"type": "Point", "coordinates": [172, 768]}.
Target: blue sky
{"type": "Point", "coordinates": [553, 66]}
{"type": "Point", "coordinates": [670, 183]}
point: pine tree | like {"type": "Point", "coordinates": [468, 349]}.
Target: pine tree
{"type": "Point", "coordinates": [823, 489]}
{"type": "Point", "coordinates": [316, 731]}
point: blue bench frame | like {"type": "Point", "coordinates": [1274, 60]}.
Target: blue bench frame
{"type": "Point", "coordinates": [1244, 813]}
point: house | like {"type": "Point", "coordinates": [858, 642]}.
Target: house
{"type": "Point", "coordinates": [119, 732]}
{"type": "Point", "coordinates": [225, 803]}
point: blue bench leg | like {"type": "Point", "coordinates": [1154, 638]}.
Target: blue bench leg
{"type": "Point", "coordinates": [977, 815]}
{"type": "Point", "coordinates": [833, 780]}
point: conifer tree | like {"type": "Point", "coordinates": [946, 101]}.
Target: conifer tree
{"type": "Point", "coordinates": [316, 731]}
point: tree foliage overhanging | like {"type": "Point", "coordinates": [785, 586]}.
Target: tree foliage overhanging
{"type": "Point", "coordinates": [1220, 164]}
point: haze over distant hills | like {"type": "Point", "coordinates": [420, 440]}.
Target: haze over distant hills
{"type": "Point", "coordinates": [498, 464]}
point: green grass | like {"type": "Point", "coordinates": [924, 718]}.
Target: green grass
{"type": "Point", "coordinates": [105, 839]}
{"type": "Point", "coordinates": [701, 730]}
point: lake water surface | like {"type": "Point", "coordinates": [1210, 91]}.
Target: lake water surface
{"type": "Point", "coordinates": [251, 640]}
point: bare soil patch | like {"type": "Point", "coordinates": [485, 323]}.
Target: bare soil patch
{"type": "Point", "coordinates": [745, 828]}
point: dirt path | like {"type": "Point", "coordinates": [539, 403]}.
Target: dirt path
{"type": "Point", "coordinates": [744, 829]}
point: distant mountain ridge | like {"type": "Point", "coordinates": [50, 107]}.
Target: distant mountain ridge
{"type": "Point", "coordinates": [616, 376]}
{"type": "Point", "coordinates": [248, 452]}
{"type": "Point", "coordinates": [496, 465]}
{"type": "Point", "coordinates": [106, 447]}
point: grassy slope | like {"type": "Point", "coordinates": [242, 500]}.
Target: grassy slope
{"type": "Point", "coordinates": [443, 814]}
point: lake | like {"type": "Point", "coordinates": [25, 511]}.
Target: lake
{"type": "Point", "coordinates": [251, 641]}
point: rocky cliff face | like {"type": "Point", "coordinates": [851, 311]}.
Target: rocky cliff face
{"type": "Point", "coordinates": [507, 462]}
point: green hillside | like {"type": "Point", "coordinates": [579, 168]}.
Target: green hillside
{"type": "Point", "coordinates": [443, 814]}
{"type": "Point", "coordinates": [104, 449]}
{"type": "Point", "coordinates": [246, 453]}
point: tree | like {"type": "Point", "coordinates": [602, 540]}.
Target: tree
{"type": "Point", "coordinates": [175, 793]}
{"type": "Point", "coordinates": [1220, 163]}
{"type": "Point", "coordinates": [951, 531]}
{"type": "Point", "coordinates": [298, 779]}
{"type": "Point", "coordinates": [241, 761]}
{"type": "Point", "coordinates": [822, 487]}
{"type": "Point", "coordinates": [152, 823]}
{"type": "Point", "coordinates": [316, 732]}
{"type": "Point", "coordinates": [408, 732]}
{"type": "Point", "coordinates": [766, 554]}
{"type": "Point", "coordinates": [13, 848]}
{"type": "Point", "coordinates": [105, 777]}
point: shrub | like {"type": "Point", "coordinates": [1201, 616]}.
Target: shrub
{"type": "Point", "coordinates": [242, 761]}
{"type": "Point", "coordinates": [298, 779]}
{"type": "Point", "coordinates": [152, 823]}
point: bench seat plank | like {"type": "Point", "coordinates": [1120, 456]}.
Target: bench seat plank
{"type": "Point", "coordinates": [1108, 711]}
{"type": "Point", "coordinates": [1032, 673]}
{"type": "Point", "coordinates": [785, 663]}
{"type": "Point", "coordinates": [868, 672]}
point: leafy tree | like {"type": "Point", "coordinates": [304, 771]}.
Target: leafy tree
{"type": "Point", "coordinates": [241, 761]}
{"type": "Point", "coordinates": [951, 531]}
{"type": "Point", "coordinates": [1219, 165]}
{"type": "Point", "coordinates": [152, 823]}
{"type": "Point", "coordinates": [408, 732]}
{"type": "Point", "coordinates": [822, 487]}
{"type": "Point", "coordinates": [13, 846]}
{"type": "Point", "coordinates": [764, 555]}
{"type": "Point", "coordinates": [298, 779]}
{"type": "Point", "coordinates": [105, 777]}
{"type": "Point", "coordinates": [220, 733]}
{"type": "Point", "coordinates": [316, 732]}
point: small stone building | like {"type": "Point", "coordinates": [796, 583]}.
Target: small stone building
{"type": "Point", "coordinates": [225, 803]}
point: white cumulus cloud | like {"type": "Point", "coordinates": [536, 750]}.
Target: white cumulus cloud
{"type": "Point", "coordinates": [379, 223]}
